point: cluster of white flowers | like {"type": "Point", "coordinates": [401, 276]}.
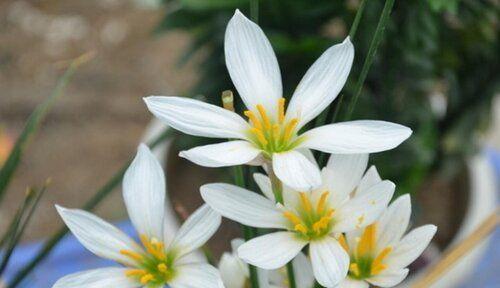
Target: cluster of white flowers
{"type": "Point", "coordinates": [354, 238]}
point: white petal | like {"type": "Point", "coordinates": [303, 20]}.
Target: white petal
{"type": "Point", "coordinates": [222, 154]}
{"type": "Point", "coordinates": [271, 251]}
{"type": "Point", "coordinates": [294, 170]}
{"type": "Point", "coordinates": [243, 206]}
{"type": "Point", "coordinates": [98, 236]}
{"type": "Point", "coordinates": [329, 260]}
{"type": "Point", "coordinates": [197, 118]}
{"type": "Point", "coordinates": [232, 272]}
{"type": "Point", "coordinates": [371, 178]}
{"type": "Point", "coordinates": [252, 64]}
{"type": "Point", "coordinates": [348, 282]}
{"type": "Point", "coordinates": [362, 136]}
{"type": "Point", "coordinates": [394, 222]}
{"type": "Point", "coordinates": [343, 173]}
{"type": "Point", "coordinates": [411, 246]}
{"type": "Point", "coordinates": [144, 194]}
{"type": "Point", "coordinates": [302, 268]}
{"type": "Point", "coordinates": [196, 276]}
{"type": "Point", "coordinates": [98, 278]}
{"type": "Point", "coordinates": [389, 278]}
{"type": "Point", "coordinates": [322, 82]}
{"type": "Point", "coordinates": [264, 184]}
{"type": "Point", "coordinates": [362, 210]}
{"type": "Point", "coordinates": [197, 229]}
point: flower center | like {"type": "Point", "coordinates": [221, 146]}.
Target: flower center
{"type": "Point", "coordinates": [273, 135]}
{"type": "Point", "coordinates": [311, 221]}
{"type": "Point", "coordinates": [154, 268]}
{"type": "Point", "coordinates": [365, 261]}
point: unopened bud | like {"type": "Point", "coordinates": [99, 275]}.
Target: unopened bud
{"type": "Point", "coordinates": [228, 100]}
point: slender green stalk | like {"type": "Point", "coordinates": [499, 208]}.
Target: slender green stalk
{"type": "Point", "coordinates": [376, 40]}
{"type": "Point", "coordinates": [254, 10]}
{"type": "Point", "coordinates": [357, 18]}
{"type": "Point", "coordinates": [100, 195]}
{"type": "Point", "coordinates": [291, 275]}
{"type": "Point", "coordinates": [33, 123]}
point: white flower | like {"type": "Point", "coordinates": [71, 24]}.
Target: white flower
{"type": "Point", "coordinates": [155, 262]}
{"type": "Point", "coordinates": [380, 253]}
{"type": "Point", "coordinates": [271, 134]}
{"type": "Point", "coordinates": [307, 218]}
{"type": "Point", "coordinates": [235, 273]}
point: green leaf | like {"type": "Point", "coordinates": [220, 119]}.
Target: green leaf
{"type": "Point", "coordinates": [213, 4]}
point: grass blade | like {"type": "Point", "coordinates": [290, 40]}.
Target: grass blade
{"type": "Point", "coordinates": [34, 122]}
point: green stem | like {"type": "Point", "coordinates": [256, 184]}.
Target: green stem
{"type": "Point", "coordinates": [254, 10]}
{"type": "Point", "coordinates": [291, 274]}
{"type": "Point", "coordinates": [357, 18]}
{"type": "Point", "coordinates": [376, 40]}
{"type": "Point", "coordinates": [100, 195]}
{"type": "Point", "coordinates": [248, 232]}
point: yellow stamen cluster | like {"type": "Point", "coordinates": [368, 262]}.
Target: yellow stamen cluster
{"type": "Point", "coordinates": [311, 221]}
{"type": "Point", "coordinates": [272, 134]}
{"type": "Point", "coordinates": [365, 261]}
{"type": "Point", "coordinates": [153, 268]}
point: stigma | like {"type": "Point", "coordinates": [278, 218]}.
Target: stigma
{"type": "Point", "coordinates": [311, 220]}
{"type": "Point", "coordinates": [272, 134]}
{"type": "Point", "coordinates": [153, 267]}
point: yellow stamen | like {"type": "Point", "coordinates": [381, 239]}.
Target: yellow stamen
{"type": "Point", "coordinates": [367, 242]}
{"type": "Point", "coordinates": [135, 272]}
{"type": "Point", "coordinates": [305, 202]}
{"type": "Point", "coordinates": [354, 269]}
{"type": "Point", "coordinates": [322, 201]}
{"type": "Point", "coordinates": [134, 255]}
{"type": "Point", "coordinates": [276, 131]}
{"type": "Point", "coordinates": [281, 110]}
{"type": "Point", "coordinates": [147, 278]}
{"type": "Point", "coordinates": [255, 121]}
{"type": "Point", "coordinates": [377, 265]}
{"type": "Point", "coordinates": [153, 247]}
{"type": "Point", "coordinates": [162, 267]}
{"type": "Point", "coordinates": [289, 129]}
{"type": "Point", "coordinates": [301, 228]}
{"type": "Point", "coordinates": [343, 243]}
{"type": "Point", "coordinates": [292, 217]}
{"type": "Point", "coordinates": [260, 136]}
{"type": "Point", "coordinates": [263, 116]}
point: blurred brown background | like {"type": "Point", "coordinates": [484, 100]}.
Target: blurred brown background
{"type": "Point", "coordinates": [96, 125]}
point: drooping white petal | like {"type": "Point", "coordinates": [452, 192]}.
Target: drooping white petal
{"type": "Point", "coordinates": [264, 184]}
{"type": "Point", "coordinates": [98, 236]}
{"type": "Point", "coordinates": [302, 268]}
{"type": "Point", "coordinates": [222, 154]}
{"type": "Point", "coordinates": [98, 278]}
{"type": "Point", "coordinates": [322, 82]}
{"type": "Point", "coordinates": [388, 278]}
{"type": "Point", "coordinates": [271, 251]}
{"type": "Point", "coordinates": [411, 246]}
{"type": "Point", "coordinates": [342, 174]}
{"type": "Point", "coordinates": [232, 272]}
{"type": "Point", "coordinates": [197, 118]}
{"type": "Point", "coordinates": [243, 206]}
{"type": "Point", "coordinates": [330, 261]}
{"type": "Point", "coordinates": [197, 229]}
{"type": "Point", "coordinates": [197, 275]}
{"type": "Point", "coordinates": [144, 194]}
{"type": "Point", "coordinates": [293, 169]}
{"type": "Point", "coordinates": [252, 64]}
{"type": "Point", "coordinates": [348, 282]}
{"type": "Point", "coordinates": [361, 136]}
{"type": "Point", "coordinates": [370, 178]}
{"type": "Point", "coordinates": [362, 210]}
{"type": "Point", "coordinates": [394, 222]}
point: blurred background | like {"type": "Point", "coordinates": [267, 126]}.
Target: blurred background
{"type": "Point", "coordinates": [436, 71]}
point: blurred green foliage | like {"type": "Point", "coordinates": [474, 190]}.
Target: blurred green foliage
{"type": "Point", "coordinates": [436, 70]}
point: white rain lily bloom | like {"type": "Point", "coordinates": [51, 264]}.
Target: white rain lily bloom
{"type": "Point", "coordinates": [307, 218]}
{"type": "Point", "coordinates": [235, 273]}
{"type": "Point", "coordinates": [155, 262]}
{"type": "Point", "coordinates": [380, 253]}
{"type": "Point", "coordinates": [271, 134]}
